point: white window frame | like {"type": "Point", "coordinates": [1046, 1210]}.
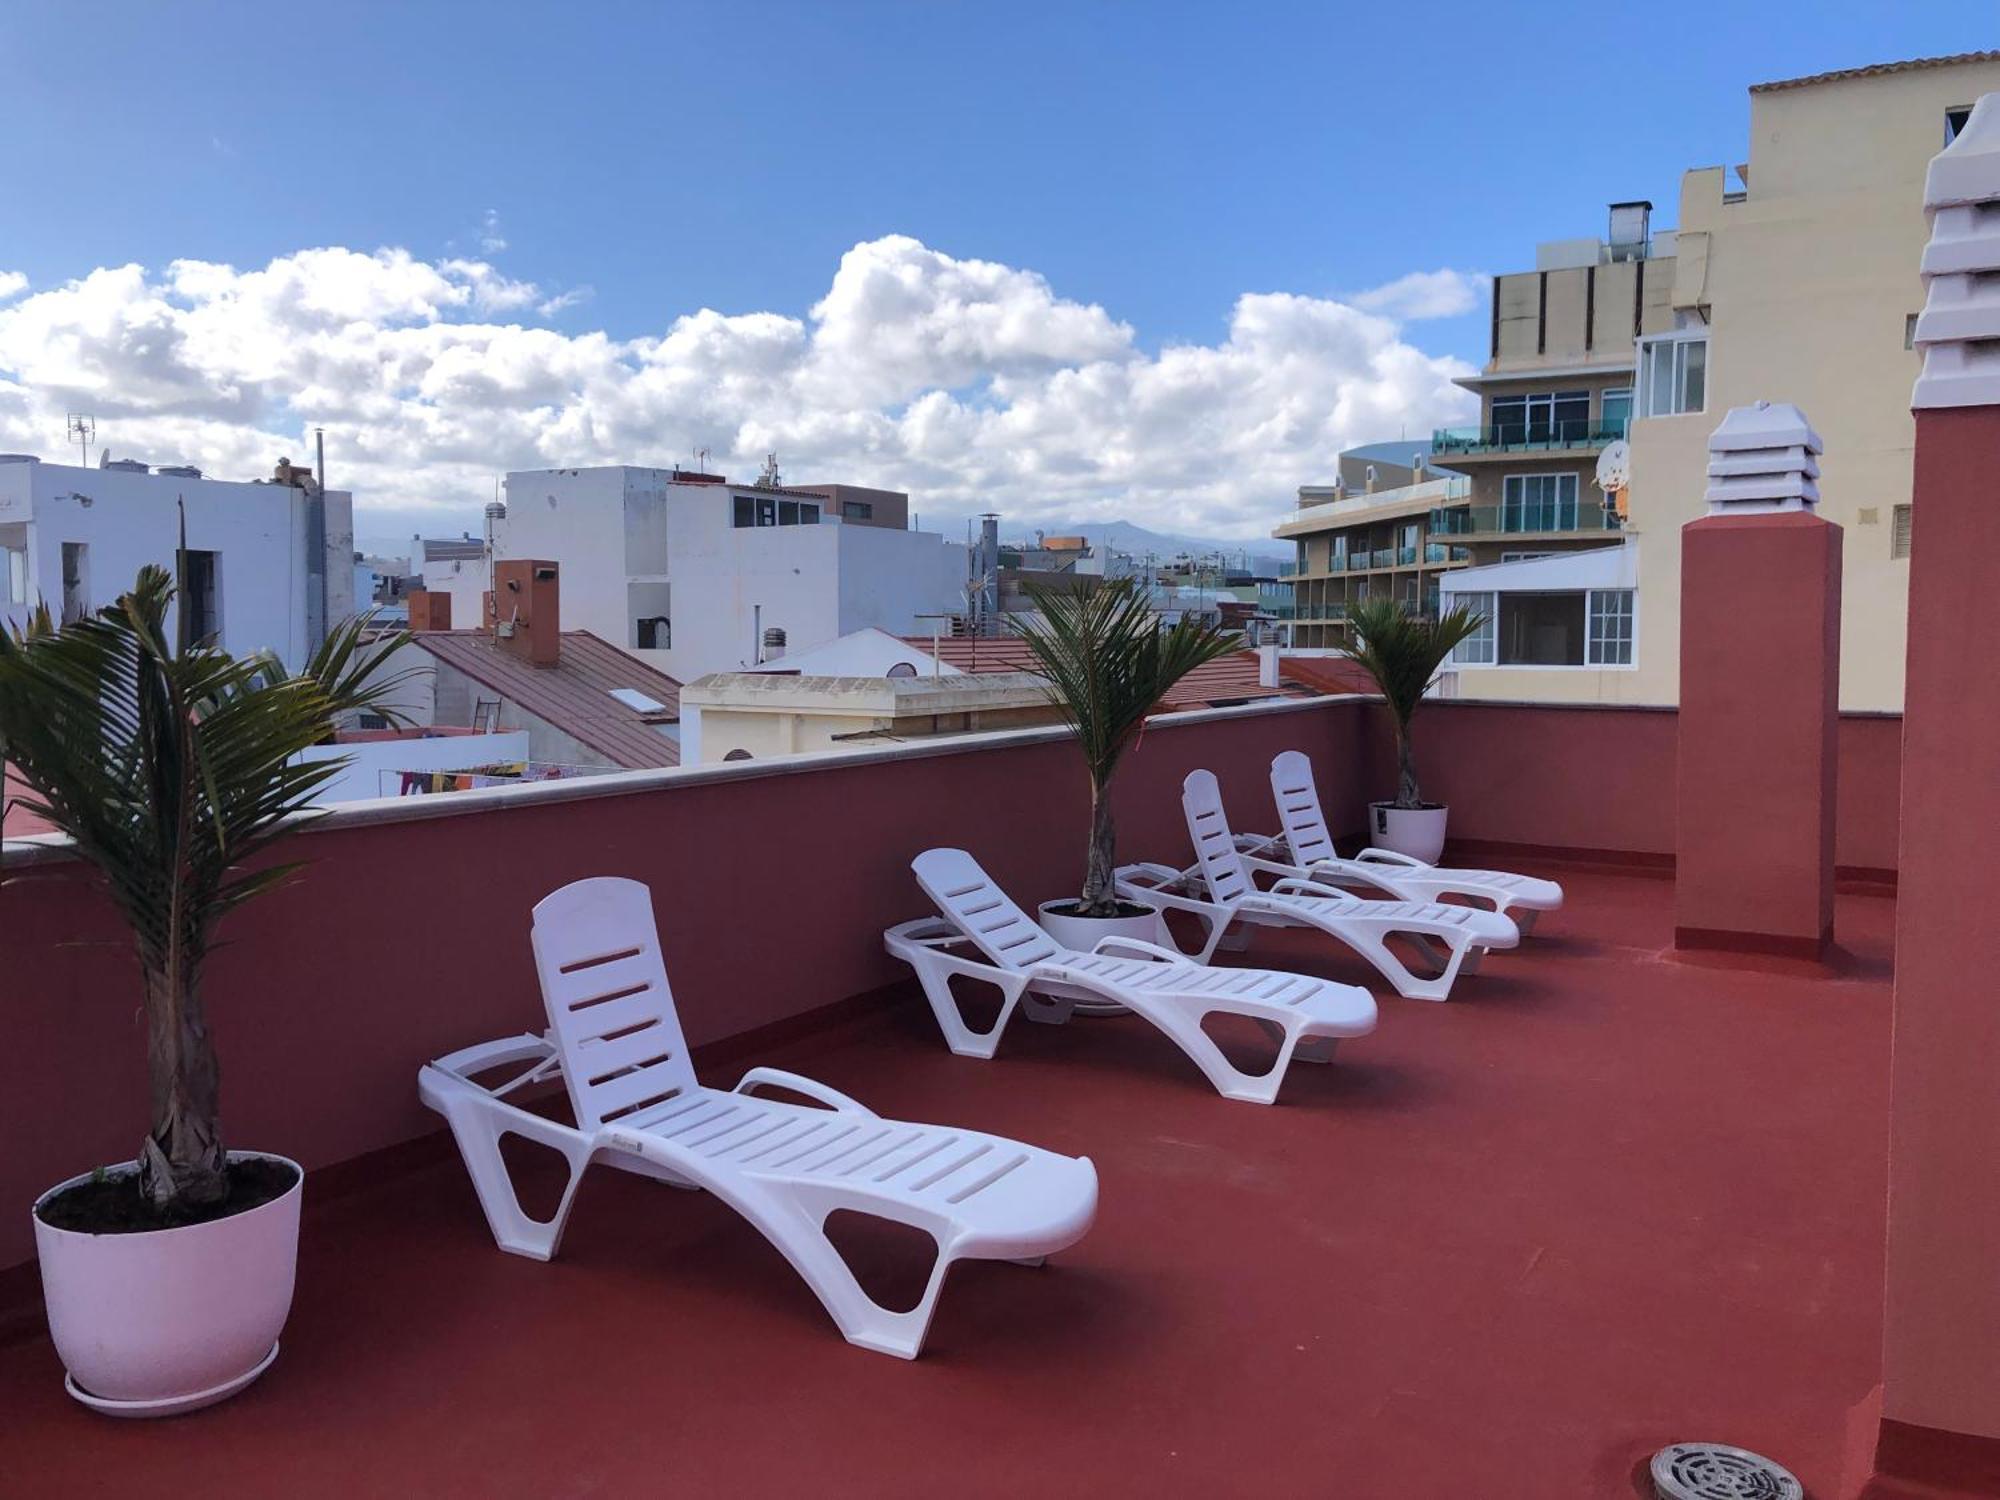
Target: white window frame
{"type": "Point", "coordinates": [1482, 648]}
{"type": "Point", "coordinates": [13, 575]}
{"type": "Point", "coordinates": [1617, 609]}
{"type": "Point", "coordinates": [1646, 400]}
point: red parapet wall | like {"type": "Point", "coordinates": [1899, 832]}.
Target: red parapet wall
{"type": "Point", "coordinates": [405, 940]}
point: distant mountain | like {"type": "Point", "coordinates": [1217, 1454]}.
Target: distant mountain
{"type": "Point", "coordinates": [1128, 536]}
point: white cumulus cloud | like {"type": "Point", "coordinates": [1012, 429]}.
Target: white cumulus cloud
{"type": "Point", "coordinates": [971, 384]}
{"type": "Point", "coordinates": [12, 284]}
{"type": "Point", "coordinates": [1426, 294]}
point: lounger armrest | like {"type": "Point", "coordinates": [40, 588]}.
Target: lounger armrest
{"type": "Point", "coordinates": [1138, 948]}
{"type": "Point", "coordinates": [1374, 856]}
{"type": "Point", "coordinates": [1270, 866]}
{"type": "Point", "coordinates": [1134, 873]}
{"type": "Point", "coordinates": [1299, 885]}
{"type": "Point", "coordinates": [1257, 843]}
{"type": "Point", "coordinates": [833, 1099]}
{"type": "Point", "coordinates": [525, 1048]}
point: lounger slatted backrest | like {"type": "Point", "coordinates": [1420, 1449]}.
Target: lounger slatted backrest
{"type": "Point", "coordinates": [604, 982]}
{"type": "Point", "coordinates": [1299, 814]}
{"type": "Point", "coordinates": [980, 909]}
{"type": "Point", "coordinates": [1214, 846]}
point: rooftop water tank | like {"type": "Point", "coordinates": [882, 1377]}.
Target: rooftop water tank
{"type": "Point", "coordinates": [123, 465]}
{"type": "Point", "coordinates": [179, 471]}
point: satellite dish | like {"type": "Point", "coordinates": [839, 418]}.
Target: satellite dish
{"type": "Point", "coordinates": [1614, 467]}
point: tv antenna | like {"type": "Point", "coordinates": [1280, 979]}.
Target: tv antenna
{"type": "Point", "coordinates": [82, 430]}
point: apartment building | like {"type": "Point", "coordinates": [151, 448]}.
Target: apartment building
{"type": "Point", "coordinates": [1375, 532]}
{"type": "Point", "coordinates": [1791, 277]}
{"type": "Point", "coordinates": [267, 564]}
{"type": "Point", "coordinates": [694, 574]}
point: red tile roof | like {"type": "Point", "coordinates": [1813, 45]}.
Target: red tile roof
{"type": "Point", "coordinates": [574, 695]}
{"type": "Point", "coordinates": [1228, 679]}
{"type": "Point", "coordinates": [1874, 70]}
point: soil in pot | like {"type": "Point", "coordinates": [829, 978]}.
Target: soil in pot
{"type": "Point", "coordinates": [1126, 911]}
{"type": "Point", "coordinates": [110, 1202]}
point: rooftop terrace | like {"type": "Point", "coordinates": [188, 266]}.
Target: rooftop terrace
{"type": "Point", "coordinates": [1504, 1246]}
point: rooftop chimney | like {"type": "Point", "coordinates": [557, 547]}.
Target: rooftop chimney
{"type": "Point", "coordinates": [527, 617]}
{"type": "Point", "coordinates": [1268, 674]}
{"type": "Point", "coordinates": [429, 611]}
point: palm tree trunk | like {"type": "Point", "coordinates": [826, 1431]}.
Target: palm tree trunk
{"type": "Point", "coordinates": [1407, 795]}
{"type": "Point", "coordinates": [1099, 899]}
{"type": "Point", "coordinates": [181, 1163]}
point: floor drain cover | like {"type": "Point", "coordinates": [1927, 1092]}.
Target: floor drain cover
{"type": "Point", "coordinates": [1716, 1471]}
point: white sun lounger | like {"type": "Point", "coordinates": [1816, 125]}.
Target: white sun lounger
{"type": "Point", "coordinates": [1303, 1016]}
{"type": "Point", "coordinates": [615, 1041]}
{"type": "Point", "coordinates": [1305, 844]}
{"type": "Point", "coordinates": [1220, 889]}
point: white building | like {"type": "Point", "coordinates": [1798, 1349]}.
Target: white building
{"type": "Point", "coordinates": [76, 538]}
{"type": "Point", "coordinates": [695, 575]}
{"type": "Point", "coordinates": [460, 567]}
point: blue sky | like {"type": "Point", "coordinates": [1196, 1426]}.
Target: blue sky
{"type": "Point", "coordinates": [651, 160]}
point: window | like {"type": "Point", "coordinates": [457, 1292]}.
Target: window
{"type": "Point", "coordinates": [856, 510]}
{"type": "Point", "coordinates": [655, 633]}
{"type": "Point", "coordinates": [76, 582]}
{"type": "Point", "coordinates": [1477, 648]}
{"type": "Point", "coordinates": [1673, 375]}
{"type": "Point", "coordinates": [201, 597]}
{"type": "Point", "coordinates": [1338, 553]}
{"type": "Point", "coordinates": [746, 511]}
{"type": "Point", "coordinates": [1542, 417]}
{"type": "Point", "coordinates": [13, 575]}
{"type": "Point", "coordinates": [1610, 643]}
{"type": "Point", "coordinates": [737, 755]}
{"type": "Point", "coordinates": [1538, 502]}
{"type": "Point", "coordinates": [1616, 408]}
{"type": "Point", "coordinates": [1909, 330]}
{"type": "Point", "coordinates": [1899, 531]}
{"type": "Point", "coordinates": [1523, 556]}
{"type": "Point", "coordinates": [1541, 630]}
{"type": "Point", "coordinates": [1954, 121]}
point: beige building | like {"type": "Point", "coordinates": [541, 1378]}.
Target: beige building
{"type": "Point", "coordinates": [1797, 282]}
{"type": "Point", "coordinates": [755, 715]}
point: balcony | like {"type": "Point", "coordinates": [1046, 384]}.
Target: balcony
{"type": "Point", "coordinates": [1541, 1190]}
{"type": "Point", "coordinates": [1446, 552]}
{"type": "Point", "coordinates": [1544, 437]}
{"type": "Point", "coordinates": [1581, 518]}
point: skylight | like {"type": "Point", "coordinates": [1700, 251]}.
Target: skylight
{"type": "Point", "coordinates": [634, 699]}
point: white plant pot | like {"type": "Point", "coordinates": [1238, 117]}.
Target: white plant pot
{"type": "Point", "coordinates": [1085, 933]}
{"type": "Point", "coordinates": [1417, 832]}
{"type": "Point", "coordinates": [168, 1320]}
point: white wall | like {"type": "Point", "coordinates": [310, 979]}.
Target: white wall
{"type": "Point", "coordinates": [575, 517]}
{"type": "Point", "coordinates": [465, 580]}
{"type": "Point", "coordinates": [620, 531]}
{"type": "Point", "coordinates": [127, 520]}
{"type": "Point", "coordinates": [372, 764]}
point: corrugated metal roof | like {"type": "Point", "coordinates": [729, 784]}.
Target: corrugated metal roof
{"type": "Point", "coordinates": [1876, 69]}
{"type": "Point", "coordinates": [1228, 679]}
{"type": "Point", "coordinates": [574, 695]}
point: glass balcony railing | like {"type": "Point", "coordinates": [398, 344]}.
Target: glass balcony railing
{"type": "Point", "coordinates": [1528, 437]}
{"type": "Point", "coordinates": [1384, 557]}
{"type": "Point", "coordinates": [1406, 557]}
{"type": "Point", "coordinates": [1536, 518]}
{"type": "Point", "coordinates": [1443, 552]}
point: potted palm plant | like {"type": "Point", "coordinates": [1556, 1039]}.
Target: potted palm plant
{"type": "Point", "coordinates": [1402, 652]}
{"type": "Point", "coordinates": [172, 767]}
{"type": "Point", "coordinates": [1108, 661]}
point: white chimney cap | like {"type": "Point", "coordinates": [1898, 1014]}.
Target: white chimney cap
{"type": "Point", "coordinates": [1958, 332]}
{"type": "Point", "coordinates": [1763, 458]}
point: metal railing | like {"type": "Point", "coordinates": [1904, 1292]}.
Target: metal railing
{"type": "Point", "coordinates": [1534, 518]}
{"type": "Point", "coordinates": [1525, 437]}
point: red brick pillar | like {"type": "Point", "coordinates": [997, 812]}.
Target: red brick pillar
{"type": "Point", "coordinates": [1941, 1339]}
{"type": "Point", "coordinates": [1760, 678]}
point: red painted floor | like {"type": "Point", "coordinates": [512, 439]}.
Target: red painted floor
{"type": "Point", "coordinates": [1505, 1247]}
